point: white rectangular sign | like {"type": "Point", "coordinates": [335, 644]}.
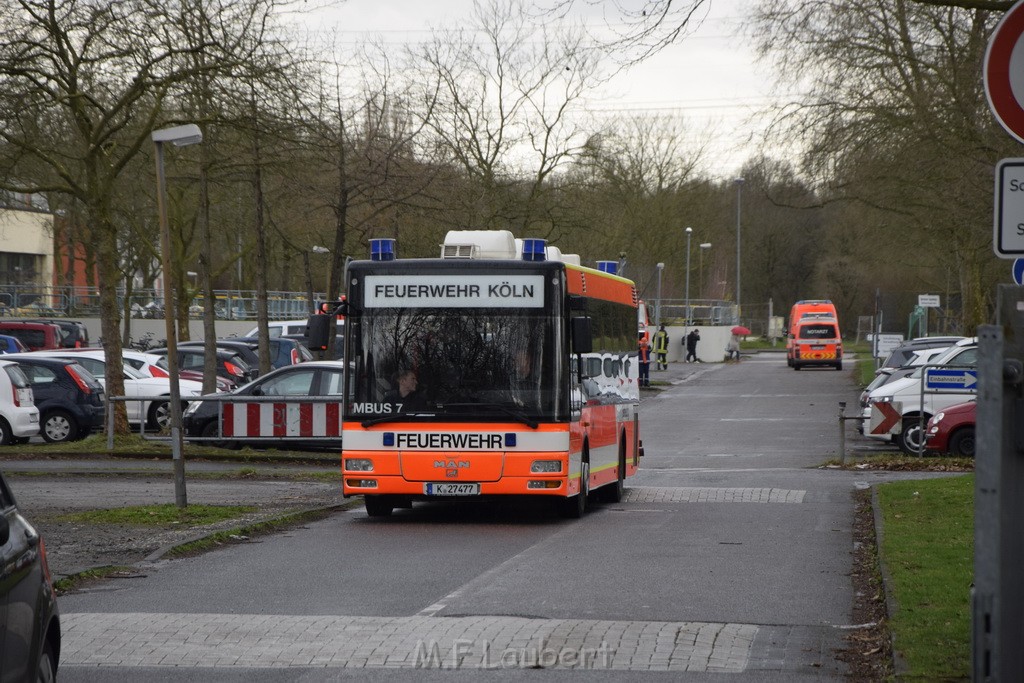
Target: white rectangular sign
{"type": "Point", "coordinates": [453, 291]}
{"type": "Point", "coordinates": [1008, 226]}
{"type": "Point", "coordinates": [886, 344]}
{"type": "Point", "coordinates": [928, 300]}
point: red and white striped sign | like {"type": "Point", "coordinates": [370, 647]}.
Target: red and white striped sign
{"type": "Point", "coordinates": [282, 419]}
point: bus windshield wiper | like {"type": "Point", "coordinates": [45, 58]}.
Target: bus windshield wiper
{"type": "Point", "coordinates": [518, 415]}
{"type": "Point", "coordinates": [392, 417]}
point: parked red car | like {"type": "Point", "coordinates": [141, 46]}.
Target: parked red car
{"type": "Point", "coordinates": [951, 430]}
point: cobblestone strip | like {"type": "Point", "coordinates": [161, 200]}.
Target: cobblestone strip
{"type": "Point", "coordinates": [474, 642]}
{"type": "Point", "coordinates": [666, 494]}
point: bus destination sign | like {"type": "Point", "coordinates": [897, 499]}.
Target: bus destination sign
{"type": "Point", "coordinates": [454, 291]}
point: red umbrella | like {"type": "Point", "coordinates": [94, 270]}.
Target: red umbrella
{"type": "Point", "coordinates": [739, 329]}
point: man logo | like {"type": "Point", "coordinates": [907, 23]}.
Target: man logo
{"type": "Point", "coordinates": [451, 474]}
{"type": "Point", "coordinates": [451, 463]}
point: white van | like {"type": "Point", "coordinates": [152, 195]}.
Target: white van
{"type": "Point", "coordinates": [903, 397]}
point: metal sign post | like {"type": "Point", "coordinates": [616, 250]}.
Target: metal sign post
{"type": "Point", "coordinates": [997, 599]}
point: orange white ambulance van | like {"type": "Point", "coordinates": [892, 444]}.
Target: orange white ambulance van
{"type": "Point", "coordinates": [806, 308]}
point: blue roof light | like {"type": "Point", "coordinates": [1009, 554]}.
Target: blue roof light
{"type": "Point", "coordinates": [382, 249]}
{"type": "Point", "coordinates": [610, 267]}
{"type": "Point", "coordinates": [534, 249]}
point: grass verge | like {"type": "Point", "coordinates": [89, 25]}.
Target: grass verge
{"type": "Point", "coordinates": [928, 549]}
{"type": "Point", "coordinates": [161, 515]}
{"type": "Point", "coordinates": [897, 462]}
{"type": "Point", "coordinates": [133, 445]}
{"type": "Point", "coordinates": [69, 583]}
{"type": "Point", "coordinates": [864, 371]}
{"type": "Point", "coordinates": [244, 533]}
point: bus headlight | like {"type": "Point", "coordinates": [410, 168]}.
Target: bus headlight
{"type": "Point", "coordinates": [358, 465]}
{"type": "Point", "coordinates": [546, 466]}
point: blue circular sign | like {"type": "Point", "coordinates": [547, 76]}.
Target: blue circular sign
{"type": "Point", "coordinates": [1018, 271]}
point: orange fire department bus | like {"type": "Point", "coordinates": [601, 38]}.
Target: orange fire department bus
{"type": "Point", "coordinates": [488, 372]}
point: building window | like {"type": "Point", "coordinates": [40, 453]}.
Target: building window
{"type": "Point", "coordinates": [19, 269]}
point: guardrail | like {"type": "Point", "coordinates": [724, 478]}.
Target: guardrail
{"type": "Point", "coordinates": [42, 301]}
{"type": "Point", "coordinates": [291, 415]}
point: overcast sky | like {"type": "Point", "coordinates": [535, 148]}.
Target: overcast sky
{"type": "Point", "coordinates": [711, 78]}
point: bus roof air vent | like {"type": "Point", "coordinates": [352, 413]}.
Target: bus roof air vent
{"type": "Point", "coordinates": [479, 244]}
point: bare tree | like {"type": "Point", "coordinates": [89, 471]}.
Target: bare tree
{"type": "Point", "coordinates": [893, 117]}
{"type": "Point", "coordinates": [505, 114]}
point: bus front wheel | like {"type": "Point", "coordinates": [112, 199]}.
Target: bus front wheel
{"type": "Point", "coordinates": [377, 506]}
{"type": "Point", "coordinates": [574, 507]}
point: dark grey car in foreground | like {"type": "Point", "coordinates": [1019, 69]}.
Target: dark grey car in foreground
{"type": "Point", "coordinates": [29, 621]}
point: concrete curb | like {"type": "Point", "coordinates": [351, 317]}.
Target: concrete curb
{"type": "Point", "coordinates": [900, 667]}
{"type": "Point", "coordinates": [159, 554]}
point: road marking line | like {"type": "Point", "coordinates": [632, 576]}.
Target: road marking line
{"type": "Point", "coordinates": [665, 494]}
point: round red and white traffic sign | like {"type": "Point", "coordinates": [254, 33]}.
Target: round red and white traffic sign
{"type": "Point", "coordinates": [1004, 71]}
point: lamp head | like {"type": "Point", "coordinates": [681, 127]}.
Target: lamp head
{"type": "Point", "coordinates": [179, 136]}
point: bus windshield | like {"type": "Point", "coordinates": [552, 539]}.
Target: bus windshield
{"type": "Point", "coordinates": [475, 364]}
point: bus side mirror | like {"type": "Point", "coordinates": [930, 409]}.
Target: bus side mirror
{"type": "Point", "coordinates": [318, 327]}
{"type": "Point", "coordinates": [582, 342]}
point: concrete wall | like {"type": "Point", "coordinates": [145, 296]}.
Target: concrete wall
{"type": "Point", "coordinates": [710, 348]}
{"type": "Point", "coordinates": [139, 327]}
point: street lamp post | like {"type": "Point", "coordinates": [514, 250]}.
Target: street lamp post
{"type": "Point", "coordinates": [689, 232]}
{"type": "Point", "coordinates": [700, 269]}
{"type": "Point", "coordinates": [739, 196]}
{"type": "Point", "coordinates": [657, 305]}
{"type": "Point", "coordinates": [179, 136]}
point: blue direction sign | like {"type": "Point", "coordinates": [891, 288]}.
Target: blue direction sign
{"type": "Point", "coordinates": [956, 379]}
{"type": "Point", "coordinates": [1018, 271]}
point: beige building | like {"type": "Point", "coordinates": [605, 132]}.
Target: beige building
{"type": "Point", "coordinates": [26, 249]}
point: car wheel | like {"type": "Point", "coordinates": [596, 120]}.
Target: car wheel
{"type": "Point", "coordinates": [159, 417]}
{"type": "Point", "coordinates": [58, 427]}
{"type": "Point", "coordinates": [962, 443]}
{"type": "Point", "coordinates": [575, 507]}
{"type": "Point", "coordinates": [47, 672]}
{"type": "Point", "coordinates": [910, 439]}
{"type": "Point", "coordinates": [210, 431]}
{"type": "Point", "coordinates": [378, 506]}
{"type": "Point", "coordinates": [839, 365]}
{"type": "Point", "coordinates": [796, 366]}
{"type": "Point", "coordinates": [6, 438]}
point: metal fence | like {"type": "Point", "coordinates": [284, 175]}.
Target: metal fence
{"type": "Point", "coordinates": [39, 301]}
{"type": "Point", "coordinates": [220, 400]}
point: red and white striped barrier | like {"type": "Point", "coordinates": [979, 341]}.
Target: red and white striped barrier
{"type": "Point", "coordinates": [282, 419]}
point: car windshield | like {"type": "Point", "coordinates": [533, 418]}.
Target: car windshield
{"type": "Point", "coordinates": [464, 363]}
{"type": "Point", "coordinates": [957, 356]}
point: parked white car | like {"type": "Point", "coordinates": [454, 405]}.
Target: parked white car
{"type": "Point", "coordinates": [19, 417]}
{"type": "Point", "coordinates": [896, 412]}
{"type": "Point", "coordinates": [155, 414]}
{"type": "Point", "coordinates": [280, 328]}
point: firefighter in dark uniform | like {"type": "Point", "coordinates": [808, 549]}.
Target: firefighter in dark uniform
{"type": "Point", "coordinates": [661, 348]}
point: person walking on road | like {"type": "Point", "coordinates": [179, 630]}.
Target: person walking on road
{"type": "Point", "coordinates": [691, 346]}
{"type": "Point", "coordinates": [645, 360]}
{"type": "Point", "coordinates": [661, 348]}
{"type": "Point", "coordinates": [732, 349]}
